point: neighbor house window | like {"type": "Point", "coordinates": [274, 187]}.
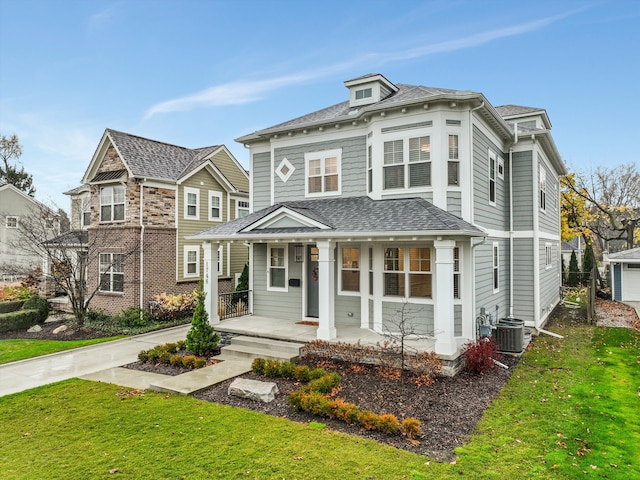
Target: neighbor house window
{"type": "Point", "coordinates": [215, 206]}
{"type": "Point", "coordinates": [408, 169]}
{"type": "Point", "coordinates": [11, 222]}
{"type": "Point", "coordinates": [456, 273]}
{"type": "Point", "coordinates": [543, 188]}
{"type": "Point", "coordinates": [548, 255]}
{"type": "Point", "coordinates": [496, 267]}
{"type": "Point", "coordinates": [492, 178]}
{"type": "Point", "coordinates": [323, 172]}
{"type": "Point", "coordinates": [86, 212]}
{"type": "Point", "coordinates": [191, 261]}
{"type": "Point", "coordinates": [192, 203]}
{"type": "Point", "coordinates": [407, 272]}
{"type": "Point", "coordinates": [242, 208]}
{"type": "Point", "coordinates": [277, 267]}
{"type": "Point", "coordinates": [453, 165]}
{"type": "Point", "coordinates": [350, 269]}
{"type": "Point", "coordinates": [112, 272]}
{"type": "Point", "coordinates": [112, 204]}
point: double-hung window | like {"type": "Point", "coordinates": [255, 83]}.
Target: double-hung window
{"type": "Point", "coordinates": [496, 267]}
{"type": "Point", "coordinates": [112, 272]}
{"type": "Point", "coordinates": [350, 269]}
{"type": "Point", "coordinates": [369, 169]}
{"type": "Point", "coordinates": [453, 165]}
{"type": "Point", "coordinates": [456, 273]}
{"type": "Point", "coordinates": [86, 212]}
{"type": "Point", "coordinates": [408, 169]}
{"type": "Point", "coordinates": [191, 261]}
{"type": "Point", "coordinates": [277, 267]}
{"type": "Point", "coordinates": [192, 203]}
{"type": "Point", "coordinates": [242, 208]}
{"type": "Point", "coordinates": [548, 255]}
{"type": "Point", "coordinates": [543, 188]}
{"type": "Point", "coordinates": [492, 178]}
{"type": "Point", "coordinates": [323, 172]}
{"type": "Point", "coordinates": [215, 206]}
{"type": "Point", "coordinates": [407, 272]}
{"type": "Point", "coordinates": [112, 204]}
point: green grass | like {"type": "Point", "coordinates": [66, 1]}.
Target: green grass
{"type": "Point", "coordinates": [20, 349]}
{"type": "Point", "coordinates": [569, 411]}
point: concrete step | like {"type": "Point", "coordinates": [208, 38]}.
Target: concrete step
{"type": "Point", "coordinates": [248, 352]}
{"type": "Point", "coordinates": [267, 344]}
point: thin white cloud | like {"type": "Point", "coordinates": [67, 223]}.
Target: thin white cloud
{"type": "Point", "coordinates": [100, 20]}
{"type": "Point", "coordinates": [242, 92]}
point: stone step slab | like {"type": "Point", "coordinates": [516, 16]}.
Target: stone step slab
{"type": "Point", "coordinates": [267, 344]}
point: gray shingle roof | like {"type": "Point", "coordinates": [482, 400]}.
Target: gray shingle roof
{"type": "Point", "coordinates": [633, 254]}
{"type": "Point", "coordinates": [512, 110]}
{"type": "Point", "coordinates": [153, 159]}
{"type": "Point", "coordinates": [70, 238]}
{"type": "Point", "coordinates": [357, 215]}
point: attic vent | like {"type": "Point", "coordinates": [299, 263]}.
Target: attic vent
{"type": "Point", "coordinates": [454, 122]}
{"type": "Point", "coordinates": [408, 126]}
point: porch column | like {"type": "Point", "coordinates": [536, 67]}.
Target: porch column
{"type": "Point", "coordinates": [210, 281]}
{"type": "Point", "coordinates": [443, 298]}
{"type": "Point", "coordinates": [326, 290]}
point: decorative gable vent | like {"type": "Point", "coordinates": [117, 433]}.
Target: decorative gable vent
{"type": "Point", "coordinates": [369, 89]}
{"type": "Point", "coordinates": [454, 122]}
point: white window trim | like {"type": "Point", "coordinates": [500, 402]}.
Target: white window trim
{"type": "Point", "coordinates": [12, 217]}
{"type": "Point", "coordinates": [218, 195]}
{"type": "Point", "coordinates": [405, 136]}
{"type": "Point", "coordinates": [407, 273]}
{"type": "Point", "coordinates": [457, 134]}
{"type": "Point", "coordinates": [349, 293]}
{"type": "Point", "coordinates": [542, 188]}
{"type": "Point", "coordinates": [286, 267]}
{"type": "Point", "coordinates": [113, 204]}
{"type": "Point", "coordinates": [238, 207]}
{"type": "Point", "coordinates": [457, 273]}
{"type": "Point", "coordinates": [110, 272]}
{"type": "Point", "coordinates": [187, 191]}
{"type": "Point", "coordinates": [85, 208]}
{"type": "Point", "coordinates": [548, 255]}
{"type": "Point", "coordinates": [337, 153]}
{"type": "Point", "coordinates": [187, 249]}
{"type": "Point", "coordinates": [492, 156]}
{"type": "Point", "coordinates": [495, 266]}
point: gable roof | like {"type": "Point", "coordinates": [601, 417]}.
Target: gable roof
{"type": "Point", "coordinates": [152, 159]}
{"type": "Point", "coordinates": [9, 187]}
{"type": "Point", "coordinates": [626, 256]}
{"type": "Point", "coordinates": [351, 216]}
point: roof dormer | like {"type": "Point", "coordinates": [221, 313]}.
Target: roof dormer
{"type": "Point", "coordinates": [369, 89]}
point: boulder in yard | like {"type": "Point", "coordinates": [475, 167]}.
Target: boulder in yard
{"type": "Point", "coordinates": [253, 389]}
{"type": "Point", "coordinates": [60, 329]}
{"type": "Point", "coordinates": [34, 329]}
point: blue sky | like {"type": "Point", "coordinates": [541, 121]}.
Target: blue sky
{"type": "Point", "coordinates": [197, 73]}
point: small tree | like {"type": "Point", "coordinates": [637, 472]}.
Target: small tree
{"type": "Point", "coordinates": [14, 174]}
{"type": "Point", "coordinates": [201, 338]}
{"type": "Point", "coordinates": [588, 261]}
{"type": "Point", "coordinates": [243, 281]}
{"type": "Point", "coordinates": [573, 278]}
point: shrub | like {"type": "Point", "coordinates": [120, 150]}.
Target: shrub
{"type": "Point", "coordinates": [410, 427]}
{"type": "Point", "coordinates": [367, 419]}
{"type": "Point", "coordinates": [478, 355]}
{"type": "Point", "coordinates": [165, 358]}
{"type": "Point", "coordinates": [180, 344]}
{"type": "Point", "coordinates": [325, 383]}
{"type": "Point", "coordinates": [132, 317]}
{"type": "Point", "coordinates": [199, 362]}
{"type": "Point", "coordinates": [257, 366]}
{"type": "Point", "coordinates": [176, 361]}
{"type": "Point", "coordinates": [345, 411]}
{"type": "Point", "coordinates": [39, 304]}
{"type": "Point", "coordinates": [316, 373]}
{"type": "Point", "coordinates": [315, 403]}
{"type": "Point", "coordinates": [96, 316]}
{"type": "Point", "coordinates": [169, 307]}
{"type": "Point", "coordinates": [143, 356]}
{"type": "Point", "coordinates": [201, 338]}
{"type": "Point", "coordinates": [153, 355]}
{"type": "Point", "coordinates": [272, 368]}
{"type": "Point", "coordinates": [301, 373]}
{"type": "Point", "coordinates": [286, 370]}
{"type": "Point", "coordinates": [189, 361]}
{"type": "Point", "coordinates": [10, 306]}
{"type": "Point", "coordinates": [171, 347]}
{"type": "Point", "coordinates": [295, 399]}
{"type": "Point", "coordinates": [388, 423]}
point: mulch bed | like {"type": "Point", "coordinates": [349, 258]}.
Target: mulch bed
{"type": "Point", "coordinates": [73, 332]}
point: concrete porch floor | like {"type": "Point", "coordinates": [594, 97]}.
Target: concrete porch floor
{"type": "Point", "coordinates": [289, 330]}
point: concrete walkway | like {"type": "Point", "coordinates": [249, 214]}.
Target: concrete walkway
{"type": "Point", "coordinates": [80, 362]}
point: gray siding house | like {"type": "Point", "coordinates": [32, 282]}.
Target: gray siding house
{"type": "Point", "coordinates": [402, 198]}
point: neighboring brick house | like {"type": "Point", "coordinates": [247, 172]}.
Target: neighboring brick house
{"type": "Point", "coordinates": [138, 200]}
{"type": "Point", "coordinates": [404, 198]}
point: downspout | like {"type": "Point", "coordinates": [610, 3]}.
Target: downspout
{"type": "Point", "coordinates": [536, 234]}
{"type": "Point", "coordinates": [474, 327]}
{"type": "Point", "coordinates": [511, 229]}
{"type": "Point", "coordinates": [141, 246]}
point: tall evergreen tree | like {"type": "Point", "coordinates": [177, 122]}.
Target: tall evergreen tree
{"type": "Point", "coordinates": [573, 278]}
{"type": "Point", "coordinates": [201, 338]}
{"type": "Point", "coordinates": [588, 260]}
{"type": "Point", "coordinates": [11, 151]}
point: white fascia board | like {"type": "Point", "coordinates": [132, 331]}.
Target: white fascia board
{"type": "Point", "coordinates": [223, 148]}
{"type": "Point", "coordinates": [283, 212]}
{"type": "Point", "coordinates": [215, 173]}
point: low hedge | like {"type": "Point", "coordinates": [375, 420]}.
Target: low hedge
{"type": "Point", "coordinates": [11, 306]}
{"type": "Point", "coordinates": [34, 310]}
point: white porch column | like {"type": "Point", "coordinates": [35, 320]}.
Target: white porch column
{"type": "Point", "coordinates": [443, 308]}
{"type": "Point", "coordinates": [210, 282]}
{"type": "Point", "coordinates": [326, 290]}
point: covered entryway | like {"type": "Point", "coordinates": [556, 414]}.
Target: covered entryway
{"type": "Point", "coordinates": [311, 281]}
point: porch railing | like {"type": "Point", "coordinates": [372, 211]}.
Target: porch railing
{"type": "Point", "coordinates": [233, 304]}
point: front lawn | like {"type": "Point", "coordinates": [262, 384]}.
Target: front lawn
{"type": "Point", "coordinates": [570, 410]}
{"type": "Point", "coordinates": [12, 350]}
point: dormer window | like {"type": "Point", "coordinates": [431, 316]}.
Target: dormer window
{"type": "Point", "coordinates": [363, 93]}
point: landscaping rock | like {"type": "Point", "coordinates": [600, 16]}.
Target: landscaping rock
{"type": "Point", "coordinates": [60, 329]}
{"type": "Point", "coordinates": [253, 389]}
{"type": "Point", "coordinates": [34, 329]}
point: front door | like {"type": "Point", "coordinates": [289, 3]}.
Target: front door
{"type": "Point", "coordinates": [312, 281]}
